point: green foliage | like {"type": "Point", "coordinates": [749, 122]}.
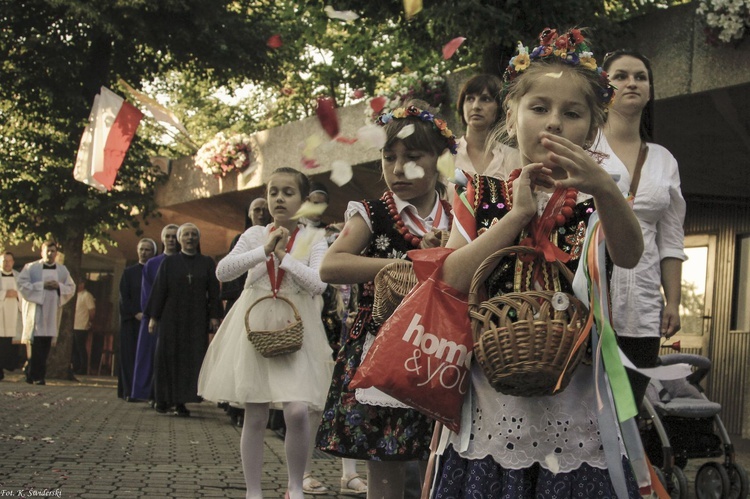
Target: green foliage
{"type": "Point", "coordinates": [57, 53]}
{"type": "Point", "coordinates": [324, 56]}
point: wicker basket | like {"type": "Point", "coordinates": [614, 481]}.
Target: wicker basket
{"type": "Point", "coordinates": [523, 341]}
{"type": "Point", "coordinates": [392, 283]}
{"type": "Point", "coordinates": [276, 342]}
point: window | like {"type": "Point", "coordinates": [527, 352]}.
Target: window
{"type": "Point", "coordinates": [741, 292]}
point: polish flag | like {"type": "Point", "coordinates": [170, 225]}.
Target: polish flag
{"type": "Point", "coordinates": [106, 139]}
{"type": "Point", "coordinates": [83, 169]}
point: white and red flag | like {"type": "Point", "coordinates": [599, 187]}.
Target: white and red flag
{"type": "Point", "coordinates": [106, 139]}
{"type": "Point", "coordinates": [160, 113]}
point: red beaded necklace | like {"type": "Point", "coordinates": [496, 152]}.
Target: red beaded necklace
{"type": "Point", "coordinates": [558, 212]}
{"type": "Point", "coordinates": [410, 238]}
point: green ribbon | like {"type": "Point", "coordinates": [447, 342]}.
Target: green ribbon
{"type": "Point", "coordinates": [622, 393]}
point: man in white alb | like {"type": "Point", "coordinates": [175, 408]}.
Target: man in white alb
{"type": "Point", "coordinates": [45, 286]}
{"type": "Point", "coordinates": [10, 315]}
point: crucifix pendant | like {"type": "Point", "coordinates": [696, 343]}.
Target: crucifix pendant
{"type": "Point", "coordinates": [190, 278]}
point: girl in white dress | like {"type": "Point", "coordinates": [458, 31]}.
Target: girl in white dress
{"type": "Point", "coordinates": [281, 259]}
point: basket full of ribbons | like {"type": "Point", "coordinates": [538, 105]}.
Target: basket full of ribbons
{"type": "Point", "coordinates": [276, 342]}
{"type": "Point", "coordinates": [527, 343]}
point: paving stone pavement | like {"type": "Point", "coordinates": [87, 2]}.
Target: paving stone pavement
{"type": "Point", "coordinates": [78, 440]}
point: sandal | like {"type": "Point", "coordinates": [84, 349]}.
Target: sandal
{"type": "Point", "coordinates": [353, 484]}
{"type": "Point", "coordinates": [312, 486]}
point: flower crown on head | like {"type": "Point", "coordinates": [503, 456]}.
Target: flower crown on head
{"type": "Point", "coordinates": [438, 124]}
{"type": "Point", "coordinates": [570, 48]}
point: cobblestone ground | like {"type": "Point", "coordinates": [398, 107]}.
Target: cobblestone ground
{"type": "Point", "coordinates": [78, 440]}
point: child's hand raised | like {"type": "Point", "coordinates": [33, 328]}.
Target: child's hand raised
{"type": "Point", "coordinates": [582, 171]}
{"type": "Point", "coordinates": [280, 249]}
{"type": "Point", "coordinates": [273, 239]}
{"type": "Point", "coordinates": [524, 201]}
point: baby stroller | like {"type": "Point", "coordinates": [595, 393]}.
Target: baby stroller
{"type": "Point", "coordinates": [680, 423]}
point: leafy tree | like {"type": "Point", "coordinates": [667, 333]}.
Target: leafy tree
{"type": "Point", "coordinates": [692, 308]}
{"type": "Point", "coordinates": [55, 55]}
{"type": "Point", "coordinates": [324, 56]}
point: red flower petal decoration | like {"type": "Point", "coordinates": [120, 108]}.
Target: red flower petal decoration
{"type": "Point", "coordinates": [450, 48]}
{"type": "Point", "coordinates": [547, 36]}
{"type": "Point", "coordinates": [309, 163]}
{"type": "Point", "coordinates": [274, 41]}
{"type": "Point", "coordinates": [377, 104]}
{"type": "Point", "coordinates": [326, 111]}
{"type": "Point", "coordinates": [346, 140]}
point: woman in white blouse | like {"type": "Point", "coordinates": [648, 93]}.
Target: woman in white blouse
{"type": "Point", "coordinates": [648, 171]}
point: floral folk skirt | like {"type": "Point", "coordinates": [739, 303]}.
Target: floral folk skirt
{"type": "Point", "coordinates": [460, 478]}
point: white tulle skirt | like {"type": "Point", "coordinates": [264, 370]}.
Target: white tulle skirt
{"type": "Point", "coordinates": [233, 371]}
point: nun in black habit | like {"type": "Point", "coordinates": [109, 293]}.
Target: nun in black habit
{"type": "Point", "coordinates": [185, 307]}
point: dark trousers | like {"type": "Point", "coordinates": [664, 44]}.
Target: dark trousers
{"type": "Point", "coordinates": [8, 355]}
{"type": "Point", "coordinates": [40, 348]}
{"type": "Point", "coordinates": [78, 355]}
{"type": "Point", "coordinates": [642, 352]}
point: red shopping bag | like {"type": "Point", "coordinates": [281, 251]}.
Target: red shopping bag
{"type": "Point", "coordinates": [422, 353]}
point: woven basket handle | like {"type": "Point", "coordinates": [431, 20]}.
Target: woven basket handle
{"type": "Point", "coordinates": [490, 263]}
{"type": "Point", "coordinates": [270, 297]}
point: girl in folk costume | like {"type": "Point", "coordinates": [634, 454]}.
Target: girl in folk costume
{"type": "Point", "coordinates": [282, 260]}
{"type": "Point", "coordinates": [545, 446]}
{"type": "Point", "coordinates": [377, 233]}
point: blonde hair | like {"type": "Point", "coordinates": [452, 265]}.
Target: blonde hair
{"type": "Point", "coordinates": [589, 83]}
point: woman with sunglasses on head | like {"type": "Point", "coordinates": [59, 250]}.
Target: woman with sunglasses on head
{"type": "Point", "coordinates": [649, 173]}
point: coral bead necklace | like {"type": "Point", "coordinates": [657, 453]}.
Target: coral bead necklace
{"type": "Point", "coordinates": [558, 213]}
{"type": "Point", "coordinates": [410, 238]}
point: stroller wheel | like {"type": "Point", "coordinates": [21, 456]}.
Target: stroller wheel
{"type": "Point", "coordinates": [738, 481]}
{"type": "Point", "coordinates": [678, 488]}
{"type": "Point", "coordinates": [679, 484]}
{"type": "Point", "coordinates": [711, 481]}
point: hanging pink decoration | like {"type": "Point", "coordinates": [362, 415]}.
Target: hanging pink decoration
{"type": "Point", "coordinates": [346, 140]}
{"type": "Point", "coordinates": [450, 48]}
{"type": "Point", "coordinates": [274, 41]}
{"type": "Point", "coordinates": [326, 111]}
{"type": "Point", "coordinates": [377, 104]}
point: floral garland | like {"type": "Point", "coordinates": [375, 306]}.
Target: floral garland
{"type": "Point", "coordinates": [223, 154]}
{"type": "Point", "coordinates": [413, 111]}
{"type": "Point", "coordinates": [726, 20]}
{"type": "Point", "coordinates": [429, 87]}
{"type": "Point", "coordinates": [570, 48]}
